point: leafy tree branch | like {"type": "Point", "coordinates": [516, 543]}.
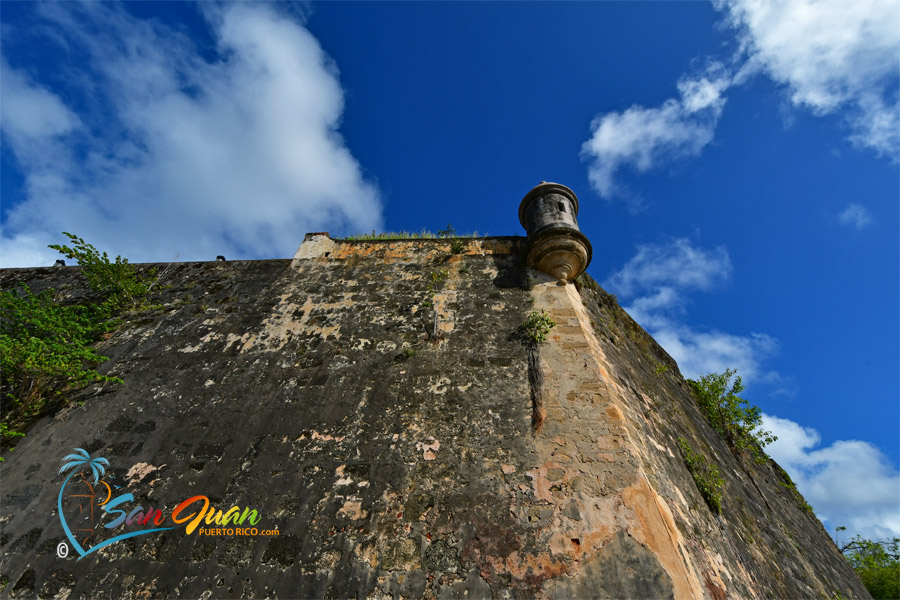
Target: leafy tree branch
{"type": "Point", "coordinates": [46, 345]}
{"type": "Point", "coordinates": [125, 288]}
{"type": "Point", "coordinates": [733, 418]}
{"type": "Point", "coordinates": [877, 563]}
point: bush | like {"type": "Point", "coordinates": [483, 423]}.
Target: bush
{"type": "Point", "coordinates": [877, 564]}
{"type": "Point", "coordinates": [124, 287]}
{"type": "Point", "coordinates": [733, 418]}
{"type": "Point", "coordinates": [707, 478]}
{"type": "Point", "coordinates": [45, 348]}
{"type": "Point", "coordinates": [45, 345]}
{"type": "Point", "coordinates": [537, 326]}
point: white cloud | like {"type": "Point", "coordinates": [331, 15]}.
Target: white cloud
{"type": "Point", "coordinates": [849, 483]}
{"type": "Point", "coordinates": [655, 283]}
{"type": "Point", "coordinates": [676, 263]}
{"type": "Point", "coordinates": [237, 155]}
{"type": "Point", "coordinates": [642, 138]}
{"type": "Point", "coordinates": [30, 111]}
{"type": "Point", "coordinates": [700, 352]}
{"type": "Point", "coordinates": [855, 216]}
{"type": "Point", "coordinates": [831, 54]}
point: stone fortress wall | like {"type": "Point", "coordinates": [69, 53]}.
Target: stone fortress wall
{"type": "Point", "coordinates": [375, 401]}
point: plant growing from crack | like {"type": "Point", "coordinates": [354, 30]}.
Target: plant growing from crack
{"type": "Point", "coordinates": [537, 325]}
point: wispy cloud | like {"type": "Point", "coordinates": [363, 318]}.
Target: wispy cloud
{"type": "Point", "coordinates": [30, 112]}
{"type": "Point", "coordinates": [849, 483]}
{"type": "Point", "coordinates": [237, 153]}
{"type": "Point", "coordinates": [833, 57]}
{"type": "Point", "coordinates": [701, 352]}
{"type": "Point", "coordinates": [674, 264]}
{"type": "Point", "coordinates": [656, 283]}
{"type": "Point", "coordinates": [642, 138]}
{"type": "Point", "coordinates": [855, 216]}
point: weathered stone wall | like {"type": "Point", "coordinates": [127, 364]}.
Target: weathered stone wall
{"type": "Point", "coordinates": [765, 544]}
{"type": "Point", "coordinates": [396, 458]}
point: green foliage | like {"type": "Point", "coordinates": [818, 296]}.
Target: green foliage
{"type": "Point", "coordinates": [661, 368]}
{"type": "Point", "coordinates": [528, 281]}
{"type": "Point", "coordinates": [877, 564]}
{"type": "Point", "coordinates": [537, 326]}
{"type": "Point", "coordinates": [409, 352]}
{"type": "Point", "coordinates": [457, 246]}
{"type": "Point", "coordinates": [5, 432]}
{"type": "Point", "coordinates": [436, 280]}
{"type": "Point", "coordinates": [46, 344]}
{"type": "Point", "coordinates": [709, 481]}
{"type": "Point", "coordinates": [788, 483]}
{"type": "Point", "coordinates": [124, 287]}
{"type": "Point", "coordinates": [45, 348]}
{"type": "Point", "coordinates": [735, 419]}
{"type": "Point", "coordinates": [6, 436]}
{"type": "Point", "coordinates": [447, 233]}
{"type": "Point", "coordinates": [586, 281]}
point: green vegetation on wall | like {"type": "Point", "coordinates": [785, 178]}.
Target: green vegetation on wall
{"type": "Point", "coordinates": [537, 325]}
{"type": "Point", "coordinates": [424, 234]}
{"type": "Point", "coordinates": [124, 288]}
{"type": "Point", "coordinates": [707, 477]}
{"type": "Point", "coordinates": [788, 483]}
{"type": "Point", "coordinates": [733, 418]}
{"type": "Point", "coordinates": [46, 345]}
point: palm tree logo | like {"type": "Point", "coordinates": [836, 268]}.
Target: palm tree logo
{"type": "Point", "coordinates": [80, 461]}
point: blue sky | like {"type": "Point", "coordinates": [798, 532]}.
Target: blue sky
{"type": "Point", "coordinates": [736, 162]}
